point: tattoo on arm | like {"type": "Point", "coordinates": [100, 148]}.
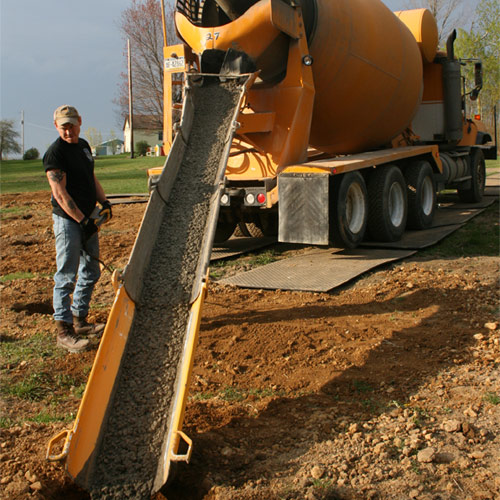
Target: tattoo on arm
{"type": "Point", "coordinates": [56, 175]}
{"type": "Point", "coordinates": [72, 205]}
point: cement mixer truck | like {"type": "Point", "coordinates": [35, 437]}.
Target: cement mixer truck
{"type": "Point", "coordinates": [353, 123]}
{"type": "Point", "coordinates": [316, 121]}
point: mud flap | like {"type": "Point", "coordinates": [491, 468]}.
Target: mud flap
{"type": "Point", "coordinates": [303, 208]}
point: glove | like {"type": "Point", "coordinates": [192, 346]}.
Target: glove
{"type": "Point", "coordinates": [89, 228]}
{"type": "Point", "coordinates": [105, 213]}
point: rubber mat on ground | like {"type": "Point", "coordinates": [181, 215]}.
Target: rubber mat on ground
{"type": "Point", "coordinates": [316, 271]}
{"type": "Point", "coordinates": [452, 202]}
{"type": "Point", "coordinates": [451, 216]}
{"type": "Point", "coordinates": [417, 239]}
{"type": "Point", "coordinates": [240, 245]}
{"type": "Point", "coordinates": [126, 200]}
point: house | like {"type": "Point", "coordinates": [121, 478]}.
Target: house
{"type": "Point", "coordinates": [111, 147]}
{"type": "Point", "coordinates": [147, 128]}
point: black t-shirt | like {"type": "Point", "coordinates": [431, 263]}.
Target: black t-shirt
{"type": "Point", "coordinates": [77, 162]}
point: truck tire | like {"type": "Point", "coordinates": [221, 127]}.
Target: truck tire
{"type": "Point", "coordinates": [241, 230]}
{"type": "Point", "coordinates": [223, 231]}
{"type": "Point", "coordinates": [387, 204]}
{"type": "Point", "coordinates": [248, 229]}
{"type": "Point", "coordinates": [349, 210]}
{"type": "Point", "coordinates": [267, 224]}
{"type": "Point", "coordinates": [421, 192]}
{"type": "Point", "coordinates": [254, 230]}
{"type": "Point", "coordinates": [475, 192]}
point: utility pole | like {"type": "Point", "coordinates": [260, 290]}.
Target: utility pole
{"type": "Point", "coordinates": [22, 134]}
{"type": "Point", "coordinates": [130, 106]}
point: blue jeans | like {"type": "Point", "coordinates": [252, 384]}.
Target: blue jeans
{"type": "Point", "coordinates": [73, 259]}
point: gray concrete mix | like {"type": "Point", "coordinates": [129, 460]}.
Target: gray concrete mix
{"type": "Point", "coordinates": [128, 453]}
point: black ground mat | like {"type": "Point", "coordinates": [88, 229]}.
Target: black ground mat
{"type": "Point", "coordinates": [239, 245]}
{"type": "Point", "coordinates": [125, 199]}
{"type": "Point", "coordinates": [417, 240]}
{"type": "Point", "coordinates": [323, 270]}
{"type": "Point", "coordinates": [319, 270]}
{"type": "Point", "coordinates": [451, 201]}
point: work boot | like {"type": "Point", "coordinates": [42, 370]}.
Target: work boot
{"type": "Point", "coordinates": [82, 327]}
{"type": "Point", "coordinates": [68, 339]}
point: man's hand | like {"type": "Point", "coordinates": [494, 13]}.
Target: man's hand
{"type": "Point", "coordinates": [89, 228]}
{"type": "Point", "coordinates": [105, 213]}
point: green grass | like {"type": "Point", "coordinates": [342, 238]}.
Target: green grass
{"type": "Point", "coordinates": [263, 258]}
{"type": "Point", "coordinates": [20, 275]}
{"type": "Point", "coordinates": [40, 385]}
{"type": "Point", "coordinates": [490, 164]}
{"type": "Point", "coordinates": [36, 381]}
{"type": "Point", "coordinates": [360, 386]}
{"type": "Point", "coordinates": [236, 394]}
{"type": "Point", "coordinates": [117, 174]}
{"type": "Point", "coordinates": [232, 394]}
{"type": "Point", "coordinates": [39, 345]}
{"type": "Point", "coordinates": [479, 236]}
{"type": "Point", "coordinates": [492, 398]}
{"type": "Point", "coordinates": [48, 418]}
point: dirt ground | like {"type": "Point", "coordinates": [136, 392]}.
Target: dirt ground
{"type": "Point", "coordinates": [388, 388]}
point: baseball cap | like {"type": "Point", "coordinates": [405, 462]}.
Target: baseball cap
{"type": "Point", "coordinates": [66, 114]}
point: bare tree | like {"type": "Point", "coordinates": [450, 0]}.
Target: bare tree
{"type": "Point", "coordinates": [141, 23]}
{"type": "Point", "coordinates": [449, 14]}
{"type": "Point", "coordinates": [93, 136]}
{"type": "Point", "coordinates": [8, 138]}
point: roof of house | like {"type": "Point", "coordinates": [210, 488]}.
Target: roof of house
{"type": "Point", "coordinates": [146, 122]}
{"type": "Point", "coordinates": [111, 142]}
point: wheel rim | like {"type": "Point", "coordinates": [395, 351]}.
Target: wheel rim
{"type": "Point", "coordinates": [427, 197]}
{"type": "Point", "coordinates": [355, 208]}
{"type": "Point", "coordinates": [396, 204]}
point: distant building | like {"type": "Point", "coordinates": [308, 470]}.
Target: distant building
{"type": "Point", "coordinates": [112, 147]}
{"type": "Point", "coordinates": [147, 128]}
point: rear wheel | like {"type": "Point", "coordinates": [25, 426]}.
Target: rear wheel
{"type": "Point", "coordinates": [248, 229]}
{"type": "Point", "coordinates": [475, 192]}
{"type": "Point", "coordinates": [223, 231]}
{"type": "Point", "coordinates": [421, 192]}
{"type": "Point", "coordinates": [254, 230]}
{"type": "Point", "coordinates": [387, 202]}
{"type": "Point", "coordinates": [350, 209]}
{"type": "Point", "coordinates": [268, 223]}
{"type": "Point", "coordinates": [241, 230]}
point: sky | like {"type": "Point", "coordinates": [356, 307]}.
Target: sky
{"type": "Point", "coordinates": [55, 52]}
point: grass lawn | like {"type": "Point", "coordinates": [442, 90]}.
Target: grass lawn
{"type": "Point", "coordinates": [117, 174]}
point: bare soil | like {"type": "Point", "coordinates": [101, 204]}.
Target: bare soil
{"type": "Point", "coordinates": [388, 388]}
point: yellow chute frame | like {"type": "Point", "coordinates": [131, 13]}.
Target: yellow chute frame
{"type": "Point", "coordinates": [80, 441]}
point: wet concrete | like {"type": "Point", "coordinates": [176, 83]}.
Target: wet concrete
{"type": "Point", "coordinates": [126, 459]}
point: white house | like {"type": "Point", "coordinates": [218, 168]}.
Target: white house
{"type": "Point", "coordinates": [147, 128]}
{"type": "Point", "coordinates": [111, 147]}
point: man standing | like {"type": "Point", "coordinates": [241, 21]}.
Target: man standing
{"type": "Point", "coordinates": [75, 190]}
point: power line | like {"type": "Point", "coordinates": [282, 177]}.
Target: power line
{"type": "Point", "coordinates": [39, 126]}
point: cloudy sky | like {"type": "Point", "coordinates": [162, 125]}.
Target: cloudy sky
{"type": "Point", "coordinates": [57, 52]}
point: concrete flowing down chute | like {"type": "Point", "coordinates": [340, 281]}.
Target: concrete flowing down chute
{"type": "Point", "coordinates": [128, 427]}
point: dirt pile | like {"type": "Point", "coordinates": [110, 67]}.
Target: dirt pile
{"type": "Point", "coordinates": [386, 389]}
